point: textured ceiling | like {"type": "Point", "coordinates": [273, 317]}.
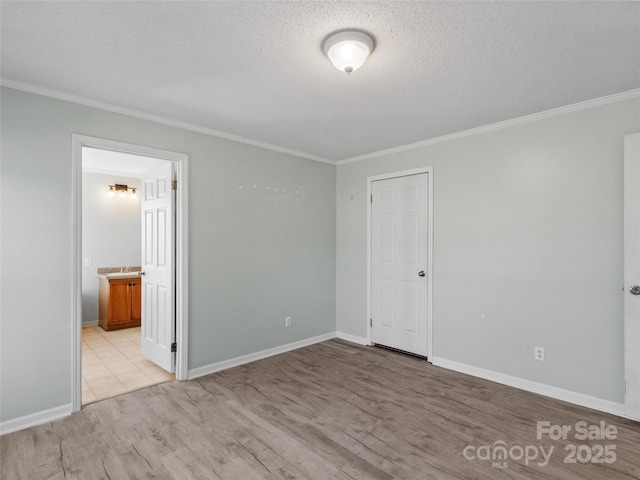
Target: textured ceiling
{"type": "Point", "coordinates": [255, 69]}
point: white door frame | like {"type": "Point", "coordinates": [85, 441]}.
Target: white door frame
{"type": "Point", "coordinates": [632, 275]}
{"type": "Point", "coordinates": [182, 275]}
{"type": "Point", "coordinates": [429, 269]}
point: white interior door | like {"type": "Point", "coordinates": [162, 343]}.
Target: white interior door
{"type": "Point", "coordinates": [399, 254]}
{"type": "Point", "coordinates": [158, 260]}
{"type": "Point", "coordinates": [632, 274]}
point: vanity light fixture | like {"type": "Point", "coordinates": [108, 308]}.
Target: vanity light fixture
{"type": "Point", "coordinates": [348, 49]}
{"type": "Point", "coordinates": [122, 191]}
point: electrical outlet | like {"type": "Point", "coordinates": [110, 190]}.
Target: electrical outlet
{"type": "Point", "coordinates": [539, 353]}
{"type": "Point", "coordinates": [287, 321]}
{"type": "Point", "coordinates": [87, 261]}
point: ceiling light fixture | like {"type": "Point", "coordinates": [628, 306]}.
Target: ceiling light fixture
{"type": "Point", "coordinates": [348, 49]}
{"type": "Point", "coordinates": [122, 191]}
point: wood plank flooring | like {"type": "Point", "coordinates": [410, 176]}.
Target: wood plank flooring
{"type": "Point", "coordinates": [329, 411]}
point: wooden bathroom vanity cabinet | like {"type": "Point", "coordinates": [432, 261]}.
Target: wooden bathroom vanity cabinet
{"type": "Point", "coordinates": [119, 302]}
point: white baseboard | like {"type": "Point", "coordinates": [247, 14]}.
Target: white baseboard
{"type": "Point", "coordinates": [588, 401]}
{"type": "Point", "coordinates": [352, 338]}
{"type": "Point", "coordinates": [535, 387]}
{"type": "Point", "coordinates": [34, 419]}
{"type": "Point", "coordinates": [252, 357]}
{"type": "Point", "coordinates": [90, 324]}
{"type": "Point", "coordinates": [55, 413]}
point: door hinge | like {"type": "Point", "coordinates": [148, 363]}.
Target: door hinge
{"type": "Point", "coordinates": [174, 347]}
{"type": "Point", "coordinates": [174, 185]}
{"type": "Point", "coordinates": [371, 322]}
{"type": "Point", "coordinates": [371, 199]}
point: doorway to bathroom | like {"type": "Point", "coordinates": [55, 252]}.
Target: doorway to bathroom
{"type": "Point", "coordinates": [112, 362]}
{"type": "Point", "coordinates": [119, 190]}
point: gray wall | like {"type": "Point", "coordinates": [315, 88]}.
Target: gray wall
{"type": "Point", "coordinates": [528, 224]}
{"type": "Point", "coordinates": [528, 231]}
{"type": "Point", "coordinates": [256, 255]}
{"type": "Point", "coordinates": [111, 234]}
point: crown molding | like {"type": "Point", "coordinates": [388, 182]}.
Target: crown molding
{"type": "Point", "coordinates": [47, 92]}
{"type": "Point", "coordinates": [87, 102]}
{"type": "Point", "coordinates": [596, 102]}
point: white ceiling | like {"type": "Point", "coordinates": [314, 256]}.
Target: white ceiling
{"type": "Point", "coordinates": [109, 162]}
{"type": "Point", "coordinates": [254, 69]}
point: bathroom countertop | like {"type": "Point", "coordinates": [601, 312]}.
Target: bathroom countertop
{"type": "Point", "coordinates": [112, 276]}
{"type": "Point", "coordinates": [118, 272]}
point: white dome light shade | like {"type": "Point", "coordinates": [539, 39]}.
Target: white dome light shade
{"type": "Point", "coordinates": [348, 50]}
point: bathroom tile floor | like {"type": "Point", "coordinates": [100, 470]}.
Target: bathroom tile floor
{"type": "Point", "coordinates": [112, 364]}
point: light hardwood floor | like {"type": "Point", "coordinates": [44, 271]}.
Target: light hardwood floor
{"type": "Point", "coordinates": [331, 410]}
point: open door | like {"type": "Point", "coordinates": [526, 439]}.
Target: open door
{"type": "Point", "coordinates": [632, 275]}
{"type": "Point", "coordinates": [158, 266]}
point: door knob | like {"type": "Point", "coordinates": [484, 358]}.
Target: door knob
{"type": "Point", "coordinates": [142, 274]}
{"type": "Point", "coordinates": [634, 290]}
{"type": "Point", "coordinates": [422, 274]}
